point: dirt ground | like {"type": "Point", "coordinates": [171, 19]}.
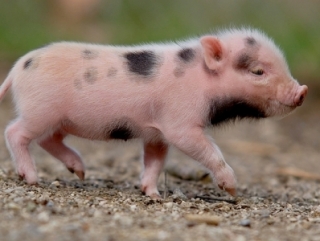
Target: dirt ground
{"type": "Point", "coordinates": [276, 163]}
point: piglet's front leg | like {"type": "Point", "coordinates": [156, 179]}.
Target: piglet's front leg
{"type": "Point", "coordinates": [195, 144]}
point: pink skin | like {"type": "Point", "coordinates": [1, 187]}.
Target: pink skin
{"type": "Point", "coordinates": [55, 146]}
{"type": "Point", "coordinates": [55, 96]}
{"type": "Point", "coordinates": [154, 159]}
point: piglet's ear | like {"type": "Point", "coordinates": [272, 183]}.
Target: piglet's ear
{"type": "Point", "coordinates": [212, 50]}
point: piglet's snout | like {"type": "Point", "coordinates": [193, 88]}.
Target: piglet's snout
{"type": "Point", "coordinates": [300, 95]}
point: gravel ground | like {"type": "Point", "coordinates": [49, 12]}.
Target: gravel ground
{"type": "Point", "coordinates": [276, 163]}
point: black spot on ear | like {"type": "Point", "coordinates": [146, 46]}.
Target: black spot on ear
{"type": "Point", "coordinates": [243, 61]}
{"type": "Point", "coordinates": [142, 62]}
{"type": "Point", "coordinates": [250, 41]}
{"type": "Point", "coordinates": [186, 55]}
{"type": "Point", "coordinates": [89, 54]}
{"type": "Point", "coordinates": [225, 110]}
{"type": "Point", "coordinates": [28, 63]}
{"type": "Point", "coordinates": [91, 75]}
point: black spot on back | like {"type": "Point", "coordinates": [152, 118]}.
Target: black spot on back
{"type": "Point", "coordinates": [142, 62]}
{"type": "Point", "coordinates": [91, 75]}
{"type": "Point", "coordinates": [186, 55]}
{"type": "Point", "coordinates": [89, 54]}
{"type": "Point", "coordinates": [28, 63]}
{"type": "Point", "coordinates": [225, 110]}
{"type": "Point", "coordinates": [250, 41]}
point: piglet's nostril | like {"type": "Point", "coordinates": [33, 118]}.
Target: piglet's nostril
{"type": "Point", "coordinates": [301, 95]}
{"type": "Point", "coordinates": [301, 98]}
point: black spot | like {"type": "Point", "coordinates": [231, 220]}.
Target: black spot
{"type": "Point", "coordinates": [121, 133]}
{"type": "Point", "coordinates": [27, 64]}
{"type": "Point", "coordinates": [141, 62]}
{"type": "Point", "coordinates": [89, 54]}
{"type": "Point", "coordinates": [243, 61]}
{"type": "Point", "coordinates": [112, 72]}
{"type": "Point", "coordinates": [186, 55]}
{"type": "Point", "coordinates": [91, 75]}
{"type": "Point", "coordinates": [225, 110]}
{"type": "Point", "coordinates": [122, 129]}
{"type": "Point", "coordinates": [250, 41]}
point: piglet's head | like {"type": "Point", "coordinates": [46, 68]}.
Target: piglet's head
{"type": "Point", "coordinates": [253, 77]}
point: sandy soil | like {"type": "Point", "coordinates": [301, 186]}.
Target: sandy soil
{"type": "Point", "coordinates": [276, 163]}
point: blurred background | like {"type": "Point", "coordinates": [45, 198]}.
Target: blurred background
{"type": "Point", "coordinates": [294, 24]}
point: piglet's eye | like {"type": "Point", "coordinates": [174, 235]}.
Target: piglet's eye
{"type": "Point", "coordinates": [257, 71]}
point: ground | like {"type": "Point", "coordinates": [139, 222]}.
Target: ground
{"type": "Point", "coordinates": [276, 163]}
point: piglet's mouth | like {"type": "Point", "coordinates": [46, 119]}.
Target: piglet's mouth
{"type": "Point", "coordinates": [278, 109]}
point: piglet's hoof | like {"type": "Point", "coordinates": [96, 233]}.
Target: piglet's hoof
{"type": "Point", "coordinates": [231, 191]}
{"type": "Point", "coordinates": [155, 197]}
{"type": "Point", "coordinates": [30, 179]}
{"type": "Point", "coordinates": [80, 174]}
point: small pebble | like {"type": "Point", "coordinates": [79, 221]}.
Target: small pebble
{"type": "Point", "coordinates": [50, 204]}
{"type": "Point", "coordinates": [9, 190]}
{"type": "Point", "coordinates": [168, 204]}
{"type": "Point", "coordinates": [270, 221]}
{"type": "Point", "coordinates": [208, 219]}
{"type": "Point", "coordinates": [43, 217]}
{"type": "Point", "coordinates": [133, 208]}
{"type": "Point", "coordinates": [317, 210]}
{"type": "Point", "coordinates": [55, 184]}
{"type": "Point", "coordinates": [245, 223]}
{"type": "Point", "coordinates": [13, 206]}
{"type": "Point", "coordinates": [31, 206]}
{"type": "Point", "coordinates": [177, 193]}
{"type": "Point", "coordinates": [97, 213]}
{"type": "Point", "coordinates": [103, 203]}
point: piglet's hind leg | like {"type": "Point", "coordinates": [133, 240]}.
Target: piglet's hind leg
{"type": "Point", "coordinates": [55, 146]}
{"type": "Point", "coordinates": [18, 139]}
{"type": "Point", "coordinates": [154, 159]}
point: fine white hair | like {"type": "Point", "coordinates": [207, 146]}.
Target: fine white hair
{"type": "Point", "coordinates": [246, 32]}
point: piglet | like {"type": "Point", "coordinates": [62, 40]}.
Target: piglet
{"type": "Point", "coordinates": [164, 94]}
